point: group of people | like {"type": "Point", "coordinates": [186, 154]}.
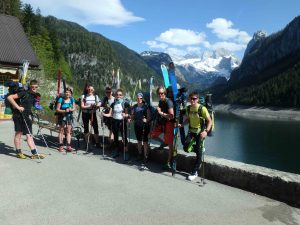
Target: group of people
{"type": "Point", "coordinates": [116, 114]}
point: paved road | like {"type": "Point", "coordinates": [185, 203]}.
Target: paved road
{"type": "Point", "coordinates": [87, 189]}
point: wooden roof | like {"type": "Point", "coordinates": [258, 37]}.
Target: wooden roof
{"type": "Point", "coordinates": [15, 47]}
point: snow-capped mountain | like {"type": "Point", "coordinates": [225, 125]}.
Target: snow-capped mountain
{"type": "Point", "coordinates": [203, 69]}
{"type": "Point", "coordinates": [206, 68]}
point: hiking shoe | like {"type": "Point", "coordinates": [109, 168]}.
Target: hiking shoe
{"type": "Point", "coordinates": [115, 154]}
{"type": "Point", "coordinates": [61, 148]}
{"type": "Point", "coordinates": [37, 156]}
{"type": "Point", "coordinates": [69, 148]}
{"type": "Point", "coordinates": [193, 176]}
{"type": "Point", "coordinates": [21, 155]}
{"type": "Point", "coordinates": [167, 166]}
{"type": "Point", "coordinates": [126, 156]}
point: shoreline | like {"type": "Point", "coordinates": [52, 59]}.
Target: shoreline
{"type": "Point", "coordinates": [264, 113]}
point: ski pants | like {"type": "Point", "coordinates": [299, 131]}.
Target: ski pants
{"type": "Point", "coordinates": [86, 117]}
{"type": "Point", "coordinates": [198, 149]}
{"type": "Point", "coordinates": [119, 126]}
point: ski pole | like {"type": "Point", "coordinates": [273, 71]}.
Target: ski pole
{"type": "Point", "coordinates": [30, 134]}
{"type": "Point", "coordinates": [203, 177]}
{"type": "Point", "coordinates": [102, 127]}
{"type": "Point", "coordinates": [91, 125]}
{"type": "Point", "coordinates": [44, 140]}
{"type": "Point", "coordinates": [65, 131]}
{"type": "Point", "coordinates": [123, 134]}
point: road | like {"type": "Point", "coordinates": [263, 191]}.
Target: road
{"type": "Point", "coordinates": [91, 189]}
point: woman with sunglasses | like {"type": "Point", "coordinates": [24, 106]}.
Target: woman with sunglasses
{"type": "Point", "coordinates": [21, 103]}
{"type": "Point", "coordinates": [65, 108]}
{"type": "Point", "coordinates": [89, 105]}
{"type": "Point", "coordinates": [119, 114]}
{"type": "Point", "coordinates": [141, 115]}
{"type": "Point", "coordinates": [164, 123]}
{"type": "Point", "coordinates": [199, 124]}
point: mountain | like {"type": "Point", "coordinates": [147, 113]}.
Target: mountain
{"type": "Point", "coordinates": [195, 70]}
{"type": "Point", "coordinates": [269, 74]}
{"type": "Point", "coordinates": [155, 59]}
{"type": "Point", "coordinates": [208, 67]}
{"type": "Point", "coordinates": [91, 52]}
{"type": "Point", "coordinates": [255, 42]}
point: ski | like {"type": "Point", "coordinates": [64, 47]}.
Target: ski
{"type": "Point", "coordinates": [165, 75]}
{"type": "Point", "coordinates": [182, 97]}
{"type": "Point", "coordinates": [24, 73]}
{"type": "Point", "coordinates": [173, 81]}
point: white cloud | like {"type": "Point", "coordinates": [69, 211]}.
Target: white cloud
{"type": "Point", "coordinates": [231, 46]}
{"type": "Point", "coordinates": [155, 44]}
{"type": "Point", "coordinates": [193, 50]}
{"type": "Point", "coordinates": [87, 12]}
{"type": "Point", "coordinates": [224, 31]}
{"type": "Point", "coordinates": [181, 37]}
{"type": "Point", "coordinates": [176, 51]}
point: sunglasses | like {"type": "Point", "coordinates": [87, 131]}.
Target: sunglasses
{"type": "Point", "coordinates": [194, 98]}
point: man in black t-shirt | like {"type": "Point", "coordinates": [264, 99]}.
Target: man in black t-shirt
{"type": "Point", "coordinates": [164, 124]}
{"type": "Point", "coordinates": [21, 103]}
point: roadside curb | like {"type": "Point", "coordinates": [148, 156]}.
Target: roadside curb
{"type": "Point", "coordinates": [275, 184]}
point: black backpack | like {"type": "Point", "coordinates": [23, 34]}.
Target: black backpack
{"type": "Point", "coordinates": [13, 88]}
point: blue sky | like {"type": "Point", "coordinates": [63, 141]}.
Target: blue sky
{"type": "Point", "coordinates": [177, 27]}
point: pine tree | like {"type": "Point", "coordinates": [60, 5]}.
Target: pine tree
{"type": "Point", "coordinates": [11, 7]}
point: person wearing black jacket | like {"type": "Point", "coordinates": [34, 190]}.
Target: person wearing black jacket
{"type": "Point", "coordinates": [21, 103]}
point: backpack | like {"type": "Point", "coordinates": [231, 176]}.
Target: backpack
{"type": "Point", "coordinates": [54, 103]}
{"type": "Point", "coordinates": [53, 106]}
{"type": "Point", "coordinates": [153, 112]}
{"type": "Point", "coordinates": [105, 106]}
{"type": "Point", "coordinates": [210, 132]}
{"type": "Point", "coordinates": [13, 88]}
{"type": "Point", "coordinates": [16, 87]}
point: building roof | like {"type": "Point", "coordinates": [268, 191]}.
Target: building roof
{"type": "Point", "coordinates": [15, 47]}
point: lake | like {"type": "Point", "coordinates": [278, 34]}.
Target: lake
{"type": "Point", "coordinates": [272, 144]}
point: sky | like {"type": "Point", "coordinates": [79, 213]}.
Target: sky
{"type": "Point", "coordinates": [177, 27]}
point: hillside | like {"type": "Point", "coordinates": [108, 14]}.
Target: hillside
{"type": "Point", "coordinates": [91, 52]}
{"type": "Point", "coordinates": [269, 73]}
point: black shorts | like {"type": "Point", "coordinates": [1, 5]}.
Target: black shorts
{"type": "Point", "coordinates": [64, 119]}
{"type": "Point", "coordinates": [108, 122]}
{"type": "Point", "coordinates": [20, 125]}
{"type": "Point", "coordinates": [141, 131]}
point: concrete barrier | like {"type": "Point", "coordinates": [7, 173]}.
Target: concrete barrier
{"type": "Point", "coordinates": [271, 183]}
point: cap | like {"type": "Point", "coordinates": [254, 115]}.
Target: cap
{"type": "Point", "coordinates": [139, 95]}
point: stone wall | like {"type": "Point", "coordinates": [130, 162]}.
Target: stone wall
{"type": "Point", "coordinates": [271, 183]}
